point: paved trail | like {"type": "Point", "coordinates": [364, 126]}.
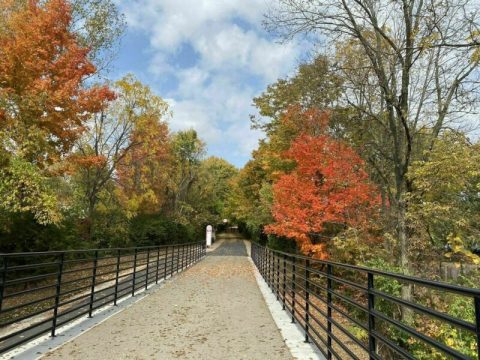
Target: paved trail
{"type": "Point", "coordinates": [214, 310]}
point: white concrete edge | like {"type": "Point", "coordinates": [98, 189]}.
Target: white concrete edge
{"type": "Point", "coordinates": [292, 333]}
{"type": "Point", "coordinates": [44, 344]}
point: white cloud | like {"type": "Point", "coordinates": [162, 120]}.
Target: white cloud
{"type": "Point", "coordinates": [235, 62]}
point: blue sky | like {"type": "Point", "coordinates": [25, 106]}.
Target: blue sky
{"type": "Point", "coordinates": [208, 59]}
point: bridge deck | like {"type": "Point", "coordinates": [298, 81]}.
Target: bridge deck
{"type": "Point", "coordinates": [214, 310]}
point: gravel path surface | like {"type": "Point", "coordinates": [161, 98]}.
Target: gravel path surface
{"type": "Point", "coordinates": [214, 310]}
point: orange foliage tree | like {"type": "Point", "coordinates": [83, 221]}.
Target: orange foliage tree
{"type": "Point", "coordinates": [43, 101]}
{"type": "Point", "coordinates": [144, 170]}
{"type": "Point", "coordinates": [328, 186]}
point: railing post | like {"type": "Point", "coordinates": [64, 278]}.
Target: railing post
{"type": "Point", "coordinates": [134, 271]}
{"type": "Point", "coordinates": [183, 256]}
{"type": "Point", "coordinates": [178, 258]}
{"type": "Point", "coordinates": [4, 279]}
{"type": "Point", "coordinates": [158, 264]}
{"type": "Point", "coordinates": [329, 310]}
{"type": "Point", "coordinates": [307, 299]}
{"type": "Point", "coordinates": [477, 318]}
{"type": "Point", "coordinates": [190, 254]}
{"type": "Point", "coordinates": [148, 265]}
{"type": "Point", "coordinates": [264, 263]}
{"type": "Point", "coordinates": [294, 273]}
{"type": "Point", "coordinates": [371, 317]}
{"type": "Point", "coordinates": [94, 279]}
{"type": "Point", "coordinates": [57, 292]}
{"type": "Point", "coordinates": [284, 278]}
{"type": "Point", "coordinates": [165, 264]}
{"type": "Point", "coordinates": [117, 272]}
{"type": "Point", "coordinates": [268, 267]}
{"type": "Point", "coordinates": [171, 263]}
{"type": "Point", "coordinates": [272, 271]}
{"type": "Point", "coordinates": [278, 278]}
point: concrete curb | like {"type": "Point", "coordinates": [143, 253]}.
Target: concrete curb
{"type": "Point", "coordinates": [292, 333]}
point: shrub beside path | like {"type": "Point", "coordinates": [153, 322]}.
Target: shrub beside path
{"type": "Point", "coordinates": [213, 310]}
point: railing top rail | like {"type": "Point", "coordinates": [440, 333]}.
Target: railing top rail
{"type": "Point", "coordinates": [58, 252]}
{"type": "Point", "coordinates": [466, 291]}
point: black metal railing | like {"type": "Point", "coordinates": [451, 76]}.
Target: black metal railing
{"type": "Point", "coordinates": [41, 291]}
{"type": "Point", "coordinates": [352, 312]}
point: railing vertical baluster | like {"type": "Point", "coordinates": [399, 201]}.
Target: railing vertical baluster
{"type": "Point", "coordinates": [268, 267]}
{"type": "Point", "coordinates": [171, 262]}
{"type": "Point", "coordinates": [307, 299]}
{"type": "Point", "coordinates": [94, 279]}
{"type": "Point", "coordinates": [264, 263]}
{"type": "Point", "coordinates": [284, 278]}
{"type": "Point", "coordinates": [329, 310]}
{"type": "Point", "coordinates": [294, 273]}
{"type": "Point", "coordinates": [178, 258]}
{"type": "Point", "coordinates": [190, 257]}
{"type": "Point", "coordinates": [184, 253]}
{"type": "Point", "coordinates": [158, 264]}
{"type": "Point", "coordinates": [134, 271]}
{"type": "Point", "coordinates": [477, 322]}
{"type": "Point", "coordinates": [117, 272]}
{"type": "Point", "coordinates": [272, 271]}
{"type": "Point", "coordinates": [4, 279]}
{"type": "Point", "coordinates": [371, 317]}
{"type": "Point", "coordinates": [148, 266]}
{"type": "Point", "coordinates": [165, 264]}
{"type": "Point", "coordinates": [57, 293]}
{"type": "Point", "coordinates": [181, 257]}
{"type": "Point", "coordinates": [278, 277]}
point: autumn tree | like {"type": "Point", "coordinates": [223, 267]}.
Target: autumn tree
{"type": "Point", "coordinates": [420, 57]}
{"type": "Point", "coordinates": [329, 186]}
{"type": "Point", "coordinates": [444, 206]}
{"type": "Point", "coordinates": [99, 26]}
{"type": "Point", "coordinates": [143, 169]}
{"type": "Point", "coordinates": [188, 150]}
{"type": "Point", "coordinates": [212, 190]}
{"type": "Point", "coordinates": [314, 86]}
{"type": "Point", "coordinates": [116, 136]}
{"type": "Point", "coordinates": [44, 103]}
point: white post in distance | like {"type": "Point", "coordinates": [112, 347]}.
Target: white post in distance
{"type": "Point", "coordinates": [209, 235]}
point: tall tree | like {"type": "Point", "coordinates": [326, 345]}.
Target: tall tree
{"type": "Point", "coordinates": [143, 171]}
{"type": "Point", "coordinates": [112, 135]}
{"type": "Point", "coordinates": [44, 103]}
{"type": "Point", "coordinates": [329, 186]}
{"type": "Point", "coordinates": [212, 190]}
{"type": "Point", "coordinates": [188, 151]}
{"type": "Point", "coordinates": [418, 59]}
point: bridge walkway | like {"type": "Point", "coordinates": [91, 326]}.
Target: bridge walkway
{"type": "Point", "coordinates": [213, 310]}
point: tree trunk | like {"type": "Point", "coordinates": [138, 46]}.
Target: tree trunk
{"type": "Point", "coordinates": [403, 239]}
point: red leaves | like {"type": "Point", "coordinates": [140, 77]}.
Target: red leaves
{"type": "Point", "coordinates": [42, 71]}
{"type": "Point", "coordinates": [329, 185]}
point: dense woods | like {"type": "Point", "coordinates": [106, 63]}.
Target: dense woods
{"type": "Point", "coordinates": [84, 162]}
